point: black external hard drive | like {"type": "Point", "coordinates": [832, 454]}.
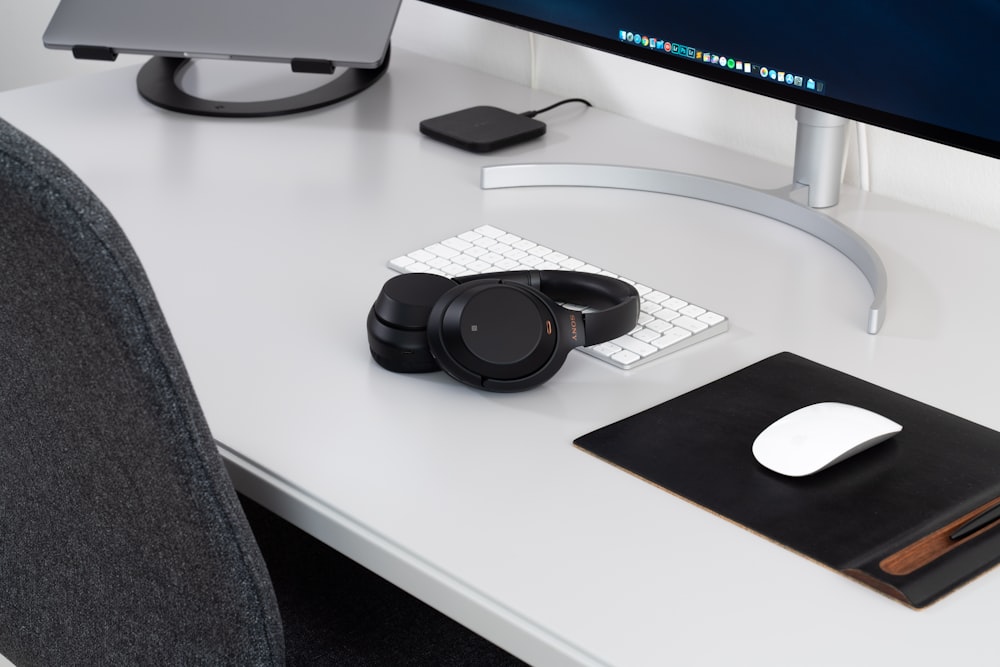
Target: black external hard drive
{"type": "Point", "coordinates": [482, 129]}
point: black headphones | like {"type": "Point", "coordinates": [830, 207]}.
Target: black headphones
{"type": "Point", "coordinates": [497, 331]}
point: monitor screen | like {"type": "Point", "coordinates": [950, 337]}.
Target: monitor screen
{"type": "Point", "coordinates": [922, 68]}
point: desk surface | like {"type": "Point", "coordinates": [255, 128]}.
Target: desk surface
{"type": "Point", "coordinates": [266, 242]}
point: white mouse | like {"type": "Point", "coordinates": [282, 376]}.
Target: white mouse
{"type": "Point", "coordinates": [819, 435]}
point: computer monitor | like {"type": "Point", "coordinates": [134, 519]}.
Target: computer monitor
{"type": "Point", "coordinates": [926, 69]}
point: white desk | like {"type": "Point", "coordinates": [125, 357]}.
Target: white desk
{"type": "Point", "coordinates": [266, 242]}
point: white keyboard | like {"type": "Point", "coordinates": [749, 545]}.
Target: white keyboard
{"type": "Point", "coordinates": [667, 323]}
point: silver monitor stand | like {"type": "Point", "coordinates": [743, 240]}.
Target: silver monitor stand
{"type": "Point", "coordinates": [819, 155]}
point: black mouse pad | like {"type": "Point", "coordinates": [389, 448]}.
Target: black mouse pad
{"type": "Point", "coordinates": [885, 517]}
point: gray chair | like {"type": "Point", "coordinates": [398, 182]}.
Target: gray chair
{"type": "Point", "coordinates": [122, 540]}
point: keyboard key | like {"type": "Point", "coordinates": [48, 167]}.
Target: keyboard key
{"type": "Point", "coordinates": [692, 311]}
{"type": "Point", "coordinates": [666, 315]}
{"type": "Point", "coordinates": [646, 335]}
{"type": "Point", "coordinates": [632, 344]}
{"type": "Point", "coordinates": [656, 296]}
{"type": "Point", "coordinates": [672, 336]}
{"type": "Point", "coordinates": [649, 307]}
{"type": "Point", "coordinates": [711, 319]}
{"type": "Point", "coordinates": [692, 325]}
{"type": "Point", "coordinates": [657, 325]}
{"type": "Point", "coordinates": [625, 358]}
{"type": "Point", "coordinates": [421, 255]}
{"type": "Point", "coordinates": [479, 266]}
{"type": "Point", "coordinates": [400, 263]}
{"type": "Point", "coordinates": [441, 250]}
{"type": "Point", "coordinates": [606, 349]}
{"type": "Point", "coordinates": [456, 243]}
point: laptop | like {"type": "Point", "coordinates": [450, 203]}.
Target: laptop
{"type": "Point", "coordinates": [346, 33]}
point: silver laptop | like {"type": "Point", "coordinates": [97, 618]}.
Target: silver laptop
{"type": "Point", "coordinates": [347, 33]}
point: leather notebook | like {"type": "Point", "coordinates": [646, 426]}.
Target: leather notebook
{"type": "Point", "coordinates": [887, 517]}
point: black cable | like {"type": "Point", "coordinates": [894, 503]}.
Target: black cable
{"type": "Point", "coordinates": [532, 114]}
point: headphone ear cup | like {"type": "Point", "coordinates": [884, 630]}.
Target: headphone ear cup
{"type": "Point", "coordinates": [496, 336]}
{"type": "Point", "coordinates": [397, 322]}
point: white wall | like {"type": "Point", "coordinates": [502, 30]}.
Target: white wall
{"type": "Point", "coordinates": [920, 172]}
{"type": "Point", "coordinates": [23, 58]}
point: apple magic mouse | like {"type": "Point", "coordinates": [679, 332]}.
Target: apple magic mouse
{"type": "Point", "coordinates": [818, 436]}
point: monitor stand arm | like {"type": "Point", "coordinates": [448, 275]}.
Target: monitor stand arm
{"type": "Point", "coordinates": [777, 204]}
{"type": "Point", "coordinates": [819, 155]}
{"type": "Point", "coordinates": [159, 83]}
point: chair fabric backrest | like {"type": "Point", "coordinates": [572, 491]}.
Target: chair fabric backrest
{"type": "Point", "coordinates": [121, 538]}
